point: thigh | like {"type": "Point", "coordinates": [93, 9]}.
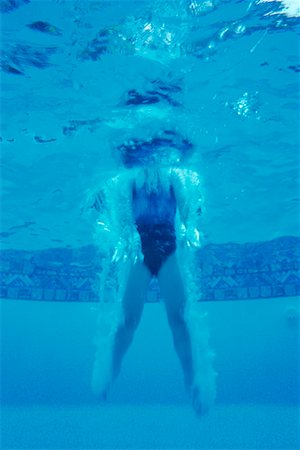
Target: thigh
{"type": "Point", "coordinates": [136, 289]}
{"type": "Point", "coordinates": [172, 286]}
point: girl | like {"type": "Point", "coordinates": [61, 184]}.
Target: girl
{"type": "Point", "coordinates": [148, 222]}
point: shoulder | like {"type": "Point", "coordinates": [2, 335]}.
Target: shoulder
{"type": "Point", "coordinates": [184, 176]}
{"type": "Point", "coordinates": [120, 187]}
{"type": "Point", "coordinates": [119, 181]}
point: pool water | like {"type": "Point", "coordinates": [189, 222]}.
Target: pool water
{"type": "Point", "coordinates": [79, 80]}
{"type": "Point", "coordinates": [46, 370]}
{"type": "Point", "coordinates": [225, 74]}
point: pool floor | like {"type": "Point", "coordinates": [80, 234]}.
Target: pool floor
{"type": "Point", "coordinates": [149, 427]}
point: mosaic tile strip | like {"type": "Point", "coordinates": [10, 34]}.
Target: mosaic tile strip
{"type": "Point", "coordinates": [226, 272]}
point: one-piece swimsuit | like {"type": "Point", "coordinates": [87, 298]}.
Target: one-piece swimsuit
{"type": "Point", "coordinates": [154, 214]}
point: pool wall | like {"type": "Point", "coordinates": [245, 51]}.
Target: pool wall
{"type": "Point", "coordinates": [227, 271]}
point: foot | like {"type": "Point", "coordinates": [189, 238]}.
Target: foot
{"type": "Point", "coordinates": [101, 385]}
{"type": "Point", "coordinates": [202, 399]}
{"type": "Point", "coordinates": [102, 396]}
{"type": "Point", "coordinates": [101, 393]}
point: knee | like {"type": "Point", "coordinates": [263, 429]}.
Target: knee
{"type": "Point", "coordinates": [176, 319]}
{"type": "Point", "coordinates": [131, 321]}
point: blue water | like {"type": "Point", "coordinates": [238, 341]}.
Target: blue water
{"type": "Point", "coordinates": [236, 69]}
{"type": "Point", "coordinates": [81, 78]}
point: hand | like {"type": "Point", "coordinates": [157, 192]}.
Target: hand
{"type": "Point", "coordinates": [121, 251]}
{"type": "Point", "coordinates": [190, 236]}
{"type": "Point", "coordinates": [127, 248]}
{"type": "Point", "coordinates": [193, 237]}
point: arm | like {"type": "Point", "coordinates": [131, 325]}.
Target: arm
{"type": "Point", "coordinates": [111, 206]}
{"type": "Point", "coordinates": [187, 188]}
{"type": "Point", "coordinates": [128, 239]}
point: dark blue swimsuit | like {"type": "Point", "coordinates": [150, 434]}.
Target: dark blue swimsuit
{"type": "Point", "coordinates": [154, 215]}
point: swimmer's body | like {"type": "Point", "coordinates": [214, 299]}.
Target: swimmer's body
{"type": "Point", "coordinates": [156, 196]}
{"type": "Point", "coordinates": [154, 214]}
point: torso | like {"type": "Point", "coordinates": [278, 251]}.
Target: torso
{"type": "Point", "coordinates": [154, 210]}
{"type": "Point", "coordinates": [153, 203]}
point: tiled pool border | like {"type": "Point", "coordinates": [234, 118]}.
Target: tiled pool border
{"type": "Point", "coordinates": [226, 272]}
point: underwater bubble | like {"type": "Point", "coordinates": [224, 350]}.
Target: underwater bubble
{"type": "Point", "coordinates": [289, 8]}
{"type": "Point", "coordinates": [242, 107]}
{"type": "Point", "coordinates": [246, 105]}
{"type": "Point", "coordinates": [223, 34]}
{"type": "Point", "coordinates": [198, 7]}
{"type": "Point", "coordinates": [239, 28]}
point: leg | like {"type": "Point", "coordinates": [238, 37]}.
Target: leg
{"type": "Point", "coordinates": [172, 290]}
{"type": "Point", "coordinates": [116, 326]}
{"type": "Point", "coordinates": [132, 306]}
{"type": "Point", "coordinates": [190, 337]}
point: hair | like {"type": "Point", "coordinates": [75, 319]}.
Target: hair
{"type": "Point", "coordinates": [138, 152]}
